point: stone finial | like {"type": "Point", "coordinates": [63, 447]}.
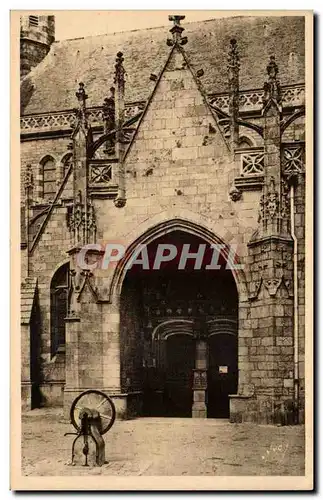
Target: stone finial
{"type": "Point", "coordinates": [176, 20]}
{"type": "Point", "coordinates": [233, 80]}
{"type": "Point", "coordinates": [176, 31]}
{"type": "Point", "coordinates": [81, 95]}
{"type": "Point", "coordinates": [272, 89]}
{"type": "Point", "coordinates": [119, 69]}
{"type": "Point", "coordinates": [272, 68]}
{"type": "Point", "coordinates": [233, 56]}
{"type": "Point", "coordinates": [108, 106]}
{"type": "Point", "coordinates": [108, 115]}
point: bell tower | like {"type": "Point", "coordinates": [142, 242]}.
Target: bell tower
{"type": "Point", "coordinates": [37, 33]}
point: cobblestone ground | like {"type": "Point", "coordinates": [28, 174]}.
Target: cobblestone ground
{"type": "Point", "coordinates": [172, 447]}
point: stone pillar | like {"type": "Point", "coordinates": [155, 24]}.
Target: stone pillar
{"type": "Point", "coordinates": [92, 336]}
{"type": "Point", "coordinates": [71, 389]}
{"type": "Point", "coordinates": [270, 350]}
{"type": "Point", "coordinates": [111, 357]}
{"type": "Point", "coordinates": [199, 409]}
{"type": "Point", "coordinates": [83, 349]}
{"type": "Point", "coordinates": [81, 222]}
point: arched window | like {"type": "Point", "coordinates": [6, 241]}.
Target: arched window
{"type": "Point", "coordinates": [48, 177]}
{"type": "Point", "coordinates": [58, 307]}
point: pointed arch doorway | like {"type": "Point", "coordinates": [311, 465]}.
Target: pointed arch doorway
{"type": "Point", "coordinates": [179, 332]}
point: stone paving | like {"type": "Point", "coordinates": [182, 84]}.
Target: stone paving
{"type": "Point", "coordinates": [165, 446]}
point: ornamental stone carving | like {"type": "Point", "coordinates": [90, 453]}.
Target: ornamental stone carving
{"type": "Point", "coordinates": [293, 160]}
{"type": "Point", "coordinates": [100, 174]}
{"type": "Point", "coordinates": [81, 221]}
{"type": "Point", "coordinates": [252, 163]}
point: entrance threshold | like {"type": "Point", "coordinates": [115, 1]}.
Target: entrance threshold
{"type": "Point", "coordinates": [183, 420]}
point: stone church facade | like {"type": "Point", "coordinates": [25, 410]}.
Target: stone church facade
{"type": "Point", "coordinates": [193, 134]}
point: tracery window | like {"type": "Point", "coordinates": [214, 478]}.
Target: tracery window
{"type": "Point", "coordinates": [59, 307]}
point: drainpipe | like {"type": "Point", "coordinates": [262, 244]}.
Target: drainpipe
{"type": "Point", "coordinates": [295, 280]}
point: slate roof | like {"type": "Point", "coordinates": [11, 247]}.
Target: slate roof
{"type": "Point", "coordinates": [51, 86]}
{"type": "Point", "coordinates": [27, 296]}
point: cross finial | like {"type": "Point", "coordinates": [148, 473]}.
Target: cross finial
{"type": "Point", "coordinates": [176, 19]}
{"type": "Point", "coordinates": [176, 31]}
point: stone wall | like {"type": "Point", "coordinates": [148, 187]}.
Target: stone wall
{"type": "Point", "coordinates": [178, 167]}
{"type": "Point", "coordinates": [131, 339]}
{"type": "Point", "coordinates": [47, 256]}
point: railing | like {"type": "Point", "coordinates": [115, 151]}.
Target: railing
{"type": "Point", "coordinates": [248, 101]}
{"type": "Point", "coordinates": [253, 100]}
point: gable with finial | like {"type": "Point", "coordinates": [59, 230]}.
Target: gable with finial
{"type": "Point", "coordinates": [178, 122]}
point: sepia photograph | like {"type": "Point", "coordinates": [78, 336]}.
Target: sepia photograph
{"type": "Point", "coordinates": [163, 307]}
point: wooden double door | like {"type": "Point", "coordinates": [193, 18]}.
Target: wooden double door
{"type": "Point", "coordinates": [170, 386]}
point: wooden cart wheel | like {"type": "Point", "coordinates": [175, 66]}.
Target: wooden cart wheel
{"type": "Point", "coordinates": [94, 400]}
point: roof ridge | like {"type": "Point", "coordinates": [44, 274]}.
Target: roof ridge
{"type": "Point", "coordinates": [151, 28]}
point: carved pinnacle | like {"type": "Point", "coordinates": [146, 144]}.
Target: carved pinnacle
{"type": "Point", "coordinates": [81, 94]}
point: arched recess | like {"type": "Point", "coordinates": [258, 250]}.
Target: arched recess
{"type": "Point", "coordinates": [164, 329]}
{"type": "Point", "coordinates": [246, 142]}
{"type": "Point", "coordinates": [163, 313]}
{"type": "Point", "coordinates": [164, 226]}
{"type": "Point", "coordinates": [58, 307]}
